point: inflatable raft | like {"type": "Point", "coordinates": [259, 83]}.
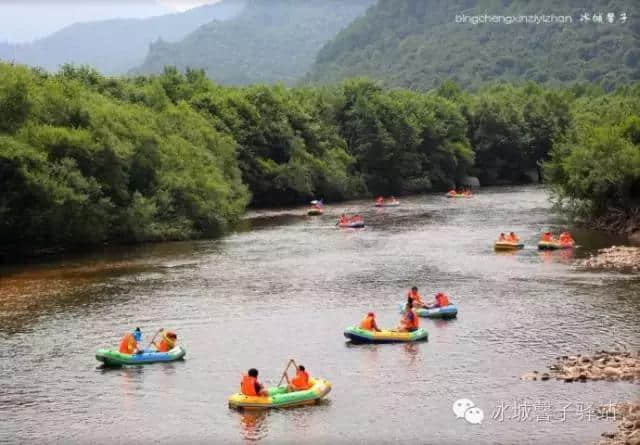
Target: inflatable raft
{"type": "Point", "coordinates": [554, 245]}
{"type": "Point", "coordinates": [280, 398]}
{"type": "Point", "coordinates": [503, 245]}
{"type": "Point", "coordinates": [357, 335]}
{"type": "Point", "coordinates": [352, 225]}
{"type": "Point", "coordinates": [446, 312]}
{"type": "Point", "coordinates": [112, 357]}
{"type": "Point", "coordinates": [388, 204]}
{"type": "Point", "coordinates": [458, 195]}
{"type": "Point", "coordinates": [315, 212]}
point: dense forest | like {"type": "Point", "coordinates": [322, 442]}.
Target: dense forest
{"type": "Point", "coordinates": [416, 43]}
{"type": "Point", "coordinates": [595, 168]}
{"type": "Point", "coordinates": [269, 42]}
{"type": "Point", "coordinates": [115, 46]}
{"type": "Point", "coordinates": [86, 158]}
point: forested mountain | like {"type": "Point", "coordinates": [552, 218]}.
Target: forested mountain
{"type": "Point", "coordinates": [115, 46]}
{"type": "Point", "coordinates": [270, 41]}
{"type": "Point", "coordinates": [417, 43]}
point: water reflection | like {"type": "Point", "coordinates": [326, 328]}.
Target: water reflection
{"type": "Point", "coordinates": [254, 424]}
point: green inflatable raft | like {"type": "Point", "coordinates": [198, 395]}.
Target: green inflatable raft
{"type": "Point", "coordinates": [112, 357]}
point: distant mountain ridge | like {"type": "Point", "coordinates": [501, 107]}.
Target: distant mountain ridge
{"type": "Point", "coordinates": [115, 46]}
{"type": "Point", "coordinates": [418, 43]}
{"type": "Point", "coordinates": [270, 41]}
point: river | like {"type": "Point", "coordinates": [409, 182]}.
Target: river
{"type": "Point", "coordinates": [285, 286]}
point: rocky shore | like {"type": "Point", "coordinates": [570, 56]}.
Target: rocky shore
{"type": "Point", "coordinates": [603, 365]}
{"type": "Point", "coordinates": [618, 258]}
{"type": "Point", "coordinates": [628, 416]}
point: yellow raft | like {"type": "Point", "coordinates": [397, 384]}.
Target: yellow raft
{"type": "Point", "coordinates": [504, 245]}
{"type": "Point", "coordinates": [280, 398]}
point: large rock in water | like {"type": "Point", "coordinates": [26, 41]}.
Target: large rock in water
{"type": "Point", "coordinates": [470, 181]}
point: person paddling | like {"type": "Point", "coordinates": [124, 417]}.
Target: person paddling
{"type": "Point", "coordinates": [301, 381]}
{"type": "Point", "coordinates": [167, 341]}
{"type": "Point", "coordinates": [513, 238]}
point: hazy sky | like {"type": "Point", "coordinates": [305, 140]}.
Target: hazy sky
{"type": "Point", "coordinates": [26, 20]}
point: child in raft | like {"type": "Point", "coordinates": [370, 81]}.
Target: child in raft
{"type": "Point", "coordinates": [409, 321]}
{"type": "Point", "coordinates": [250, 385]}
{"type": "Point", "coordinates": [356, 218]}
{"type": "Point", "coordinates": [300, 382]}
{"type": "Point", "coordinates": [502, 238]}
{"type": "Point", "coordinates": [344, 219]}
{"type": "Point", "coordinates": [167, 341]}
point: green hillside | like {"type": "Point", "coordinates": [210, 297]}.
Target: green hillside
{"type": "Point", "coordinates": [269, 42]}
{"type": "Point", "coordinates": [417, 43]}
{"type": "Point", "coordinates": [114, 46]}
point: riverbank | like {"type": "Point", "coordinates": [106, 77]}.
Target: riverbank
{"type": "Point", "coordinates": [628, 430]}
{"type": "Point", "coordinates": [618, 258]}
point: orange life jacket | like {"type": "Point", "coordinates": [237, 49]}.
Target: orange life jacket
{"type": "Point", "coordinates": [367, 323]}
{"type": "Point", "coordinates": [547, 237]}
{"type": "Point", "coordinates": [166, 343]}
{"type": "Point", "coordinates": [565, 238]}
{"type": "Point", "coordinates": [248, 386]}
{"type": "Point", "coordinates": [512, 238]}
{"type": "Point", "coordinates": [411, 324]}
{"type": "Point", "coordinates": [415, 297]}
{"type": "Point", "coordinates": [442, 300]}
{"type": "Point", "coordinates": [301, 380]}
{"type": "Point", "coordinates": [128, 344]}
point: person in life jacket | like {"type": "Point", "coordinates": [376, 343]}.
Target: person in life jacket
{"type": "Point", "coordinates": [394, 200]}
{"type": "Point", "coordinates": [344, 219]}
{"type": "Point", "coordinates": [409, 321]}
{"type": "Point", "coordinates": [250, 385]}
{"type": "Point", "coordinates": [414, 297]}
{"type": "Point", "coordinates": [547, 237]}
{"type": "Point", "coordinates": [513, 238]}
{"type": "Point", "coordinates": [301, 381]}
{"type": "Point", "coordinates": [368, 323]}
{"type": "Point", "coordinates": [566, 238]}
{"type": "Point", "coordinates": [167, 341]}
{"type": "Point", "coordinates": [502, 238]}
{"type": "Point", "coordinates": [442, 300]}
{"type": "Point", "coordinates": [129, 343]}
{"type": "Point", "coordinates": [356, 218]}
{"type": "Point", "coordinates": [380, 200]}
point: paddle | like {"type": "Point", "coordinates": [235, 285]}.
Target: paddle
{"type": "Point", "coordinates": [284, 374]}
{"type": "Point", "coordinates": [154, 337]}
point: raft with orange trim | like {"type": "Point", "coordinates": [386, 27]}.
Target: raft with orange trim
{"type": "Point", "coordinates": [505, 245]}
{"type": "Point", "coordinates": [279, 397]}
{"type": "Point", "coordinates": [357, 335]}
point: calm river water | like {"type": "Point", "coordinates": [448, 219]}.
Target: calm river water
{"type": "Point", "coordinates": [285, 287]}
